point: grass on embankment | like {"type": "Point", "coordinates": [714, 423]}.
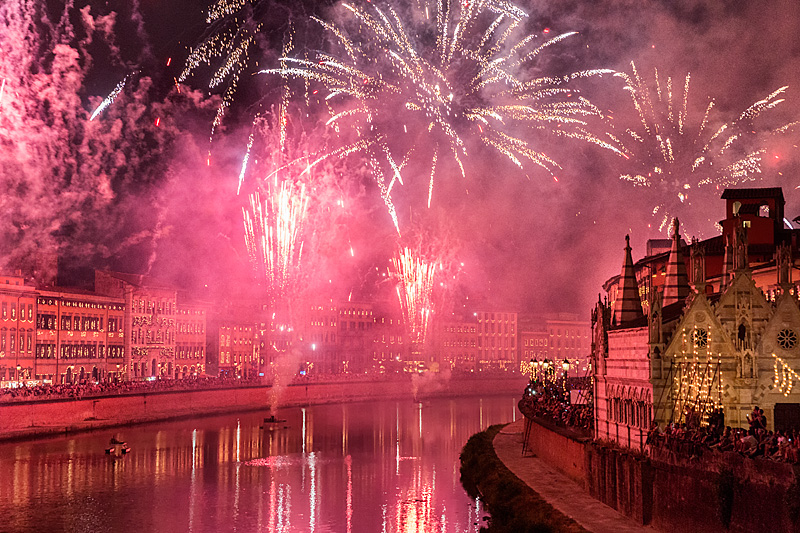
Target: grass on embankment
{"type": "Point", "coordinates": [513, 505]}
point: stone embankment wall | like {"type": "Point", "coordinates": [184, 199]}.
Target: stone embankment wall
{"type": "Point", "coordinates": [715, 492]}
{"type": "Point", "coordinates": [42, 417]}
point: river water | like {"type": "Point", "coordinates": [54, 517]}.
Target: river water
{"type": "Point", "coordinates": [360, 467]}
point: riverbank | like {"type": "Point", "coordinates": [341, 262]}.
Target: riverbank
{"type": "Point", "coordinates": [38, 418]}
{"type": "Point", "coordinates": [556, 487]}
{"type": "Point", "coordinates": [514, 506]}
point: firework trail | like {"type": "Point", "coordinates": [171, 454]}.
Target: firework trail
{"type": "Point", "coordinates": [443, 75]}
{"type": "Point", "coordinates": [274, 234]}
{"type": "Point", "coordinates": [110, 98]}
{"type": "Point", "coordinates": [415, 281]}
{"type": "Point", "coordinates": [675, 156]}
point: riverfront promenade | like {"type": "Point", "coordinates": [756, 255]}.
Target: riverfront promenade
{"type": "Point", "coordinates": [20, 419]}
{"type": "Point", "coordinates": [557, 489]}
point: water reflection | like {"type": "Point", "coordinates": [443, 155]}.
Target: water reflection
{"type": "Point", "coordinates": [390, 467]}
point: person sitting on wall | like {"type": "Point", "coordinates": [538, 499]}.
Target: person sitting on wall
{"type": "Point", "coordinates": [749, 442]}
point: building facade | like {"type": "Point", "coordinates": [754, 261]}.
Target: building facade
{"type": "Point", "coordinates": [79, 337]}
{"type": "Point", "coordinates": [727, 341]}
{"type": "Point", "coordinates": [457, 347]}
{"type": "Point", "coordinates": [497, 340]}
{"type": "Point", "coordinates": [158, 327]}
{"type": "Point", "coordinates": [17, 329]}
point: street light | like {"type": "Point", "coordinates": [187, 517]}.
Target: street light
{"type": "Point", "coordinates": [565, 365]}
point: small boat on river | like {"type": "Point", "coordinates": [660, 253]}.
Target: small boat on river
{"type": "Point", "coordinates": [118, 448]}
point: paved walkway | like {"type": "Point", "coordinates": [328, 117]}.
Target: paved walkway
{"type": "Point", "coordinates": [561, 492]}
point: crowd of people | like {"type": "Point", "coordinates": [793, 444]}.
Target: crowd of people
{"type": "Point", "coordinates": [91, 388]}
{"type": "Point", "coordinates": [691, 439]}
{"type": "Point", "coordinates": [551, 402]}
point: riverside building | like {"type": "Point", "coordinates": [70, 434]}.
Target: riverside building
{"type": "Point", "coordinates": [710, 325]}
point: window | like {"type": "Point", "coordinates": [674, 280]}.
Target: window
{"type": "Point", "coordinates": [787, 339]}
{"type": "Point", "coordinates": [700, 337]}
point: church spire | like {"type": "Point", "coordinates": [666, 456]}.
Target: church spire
{"type": "Point", "coordinates": [676, 286]}
{"type": "Point", "coordinates": [628, 305]}
{"type": "Point", "coordinates": [727, 269]}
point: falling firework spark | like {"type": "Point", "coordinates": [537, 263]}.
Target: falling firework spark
{"type": "Point", "coordinates": [110, 98]}
{"type": "Point", "coordinates": [469, 83]}
{"type": "Point", "coordinates": [244, 163]}
{"type": "Point", "coordinates": [274, 234]}
{"type": "Point", "coordinates": [415, 278]}
{"type": "Point", "coordinates": [676, 156]}
{"type": "Point", "coordinates": [232, 37]}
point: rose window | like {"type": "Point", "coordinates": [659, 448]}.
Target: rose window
{"type": "Point", "coordinates": [700, 338]}
{"type": "Point", "coordinates": [787, 339]}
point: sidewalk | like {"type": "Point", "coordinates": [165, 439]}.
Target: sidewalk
{"type": "Point", "coordinates": [561, 492]}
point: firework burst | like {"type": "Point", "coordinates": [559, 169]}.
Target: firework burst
{"type": "Point", "coordinates": [274, 234]}
{"type": "Point", "coordinates": [420, 85]}
{"type": "Point", "coordinates": [675, 155]}
{"type": "Point", "coordinates": [231, 38]}
{"type": "Point", "coordinates": [415, 281]}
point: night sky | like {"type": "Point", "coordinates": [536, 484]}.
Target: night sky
{"type": "Point", "coordinates": [528, 240]}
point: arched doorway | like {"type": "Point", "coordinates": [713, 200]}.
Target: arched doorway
{"type": "Point", "coordinates": [95, 374]}
{"type": "Point", "coordinates": [153, 368]}
{"type": "Point", "coordinates": [68, 375]}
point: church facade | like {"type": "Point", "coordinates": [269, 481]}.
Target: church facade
{"type": "Point", "coordinates": [729, 340]}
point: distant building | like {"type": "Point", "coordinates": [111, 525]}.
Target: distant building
{"type": "Point", "coordinates": [457, 346]}
{"type": "Point", "coordinates": [17, 329]}
{"type": "Point", "coordinates": [497, 340]}
{"type": "Point", "coordinates": [570, 340]}
{"type": "Point", "coordinates": [167, 338]}
{"type": "Point", "coordinates": [356, 336]}
{"type": "Point", "coordinates": [534, 339]}
{"type": "Point", "coordinates": [390, 351]}
{"type": "Point", "coordinates": [79, 337]}
{"type": "Point", "coordinates": [322, 338]}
